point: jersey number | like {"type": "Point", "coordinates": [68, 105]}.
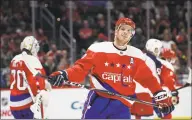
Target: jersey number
{"type": "Point", "coordinates": [18, 79]}
{"type": "Point", "coordinates": [159, 71]}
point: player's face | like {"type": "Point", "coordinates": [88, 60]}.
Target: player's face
{"type": "Point", "coordinates": [157, 51]}
{"type": "Point", "coordinates": [123, 34]}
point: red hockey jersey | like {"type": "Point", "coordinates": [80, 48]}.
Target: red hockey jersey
{"type": "Point", "coordinates": [167, 80]}
{"type": "Point", "coordinates": [167, 75]}
{"type": "Point", "coordinates": [115, 70]}
{"type": "Point", "coordinates": [20, 97]}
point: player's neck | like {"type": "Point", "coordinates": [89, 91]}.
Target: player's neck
{"type": "Point", "coordinates": [119, 46]}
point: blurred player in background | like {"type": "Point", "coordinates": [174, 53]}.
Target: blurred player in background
{"type": "Point", "coordinates": [26, 89]}
{"type": "Point", "coordinates": [114, 66]}
{"type": "Point", "coordinates": [170, 56]}
{"type": "Point", "coordinates": [167, 80]}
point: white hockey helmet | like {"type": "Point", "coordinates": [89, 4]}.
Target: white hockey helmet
{"type": "Point", "coordinates": [31, 44]}
{"type": "Point", "coordinates": [154, 46]}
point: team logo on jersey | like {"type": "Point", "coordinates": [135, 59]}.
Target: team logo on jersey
{"type": "Point", "coordinates": [116, 77]}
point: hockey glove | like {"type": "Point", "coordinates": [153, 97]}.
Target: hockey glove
{"type": "Point", "coordinates": [164, 102]}
{"type": "Point", "coordinates": [57, 78]}
{"type": "Point", "coordinates": [175, 97]}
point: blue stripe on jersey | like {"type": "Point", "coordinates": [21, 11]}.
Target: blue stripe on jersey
{"type": "Point", "coordinates": [157, 62]}
{"type": "Point", "coordinates": [109, 88]}
{"type": "Point", "coordinates": [19, 97]}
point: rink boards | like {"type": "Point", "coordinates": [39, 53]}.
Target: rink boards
{"type": "Point", "coordinates": [68, 103]}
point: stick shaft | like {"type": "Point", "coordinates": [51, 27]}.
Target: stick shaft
{"type": "Point", "coordinates": [186, 85]}
{"type": "Point", "coordinates": [110, 93]}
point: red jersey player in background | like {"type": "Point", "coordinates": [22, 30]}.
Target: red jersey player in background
{"type": "Point", "coordinates": [25, 86]}
{"type": "Point", "coordinates": [167, 80]}
{"type": "Point", "coordinates": [169, 56]}
{"type": "Point", "coordinates": [114, 66]}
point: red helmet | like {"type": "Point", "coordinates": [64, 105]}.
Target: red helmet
{"type": "Point", "coordinates": [168, 54]}
{"type": "Point", "coordinates": [126, 21]}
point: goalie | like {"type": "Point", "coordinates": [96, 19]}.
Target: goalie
{"type": "Point", "coordinates": [27, 90]}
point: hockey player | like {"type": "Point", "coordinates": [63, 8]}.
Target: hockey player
{"type": "Point", "coordinates": [26, 88]}
{"type": "Point", "coordinates": [114, 66]}
{"type": "Point", "coordinates": [170, 56]}
{"type": "Point", "coordinates": [167, 79]}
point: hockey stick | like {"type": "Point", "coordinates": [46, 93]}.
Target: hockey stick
{"type": "Point", "coordinates": [184, 86]}
{"type": "Point", "coordinates": [188, 83]}
{"type": "Point", "coordinates": [74, 84]}
{"type": "Point", "coordinates": [28, 87]}
{"type": "Point", "coordinates": [110, 93]}
{"type": "Point", "coordinates": [35, 108]}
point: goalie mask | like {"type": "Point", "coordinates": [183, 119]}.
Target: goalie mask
{"type": "Point", "coordinates": [31, 44]}
{"type": "Point", "coordinates": [154, 46]}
